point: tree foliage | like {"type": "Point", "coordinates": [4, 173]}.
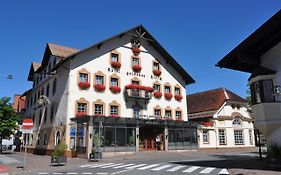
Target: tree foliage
{"type": "Point", "coordinates": [8, 118]}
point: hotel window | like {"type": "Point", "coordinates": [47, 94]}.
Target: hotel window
{"type": "Point", "coordinates": [262, 91]}
{"type": "Point", "coordinates": [205, 136]}
{"type": "Point", "coordinates": [178, 114]}
{"type": "Point", "coordinates": [99, 79]}
{"type": "Point", "coordinates": [114, 81]}
{"type": "Point", "coordinates": [82, 107]}
{"type": "Point", "coordinates": [156, 87]}
{"type": "Point", "coordinates": [177, 91]}
{"type": "Point", "coordinates": [222, 137]}
{"type": "Point", "coordinates": [135, 92]}
{"type": "Point", "coordinates": [156, 66]}
{"type": "Point", "coordinates": [167, 89]}
{"type": "Point", "coordinates": [83, 77]}
{"type": "Point", "coordinates": [98, 109]}
{"type": "Point", "coordinates": [237, 122]}
{"type": "Point", "coordinates": [168, 113]}
{"type": "Point", "coordinates": [251, 137]}
{"type": "Point", "coordinates": [238, 137]}
{"type": "Point", "coordinates": [157, 112]}
{"type": "Point", "coordinates": [114, 57]}
{"type": "Point", "coordinates": [113, 110]}
{"type": "Point", "coordinates": [135, 61]}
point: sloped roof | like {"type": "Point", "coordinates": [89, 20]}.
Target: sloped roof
{"type": "Point", "coordinates": [169, 59]}
{"type": "Point", "coordinates": [210, 100]}
{"type": "Point", "coordinates": [33, 68]}
{"type": "Point", "coordinates": [61, 51]}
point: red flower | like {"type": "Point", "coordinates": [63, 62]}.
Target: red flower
{"type": "Point", "coordinates": [148, 89]}
{"type": "Point", "coordinates": [178, 97]}
{"type": "Point", "coordinates": [84, 85]}
{"type": "Point", "coordinates": [99, 115]}
{"type": "Point", "coordinates": [115, 64]}
{"type": "Point", "coordinates": [99, 87]}
{"type": "Point", "coordinates": [168, 96]}
{"type": "Point", "coordinates": [157, 72]}
{"type": "Point", "coordinates": [115, 89]}
{"type": "Point", "coordinates": [136, 68]}
{"type": "Point", "coordinates": [136, 51]}
{"type": "Point", "coordinates": [208, 123]}
{"type": "Point", "coordinates": [79, 114]}
{"type": "Point", "coordinates": [157, 94]}
{"type": "Point", "coordinates": [114, 115]}
{"type": "Point", "coordinates": [131, 86]}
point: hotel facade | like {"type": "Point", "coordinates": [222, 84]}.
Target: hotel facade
{"type": "Point", "coordinates": [128, 89]}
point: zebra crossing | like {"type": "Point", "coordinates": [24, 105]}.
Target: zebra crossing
{"type": "Point", "coordinates": [185, 169]}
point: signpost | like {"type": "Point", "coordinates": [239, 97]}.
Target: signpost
{"type": "Point", "coordinates": [27, 125]}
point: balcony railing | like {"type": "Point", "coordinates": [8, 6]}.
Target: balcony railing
{"type": "Point", "coordinates": [138, 92]}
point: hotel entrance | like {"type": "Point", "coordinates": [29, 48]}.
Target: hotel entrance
{"type": "Point", "coordinates": [151, 138]}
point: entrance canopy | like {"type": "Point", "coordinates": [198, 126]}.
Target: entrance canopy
{"type": "Point", "coordinates": [134, 121]}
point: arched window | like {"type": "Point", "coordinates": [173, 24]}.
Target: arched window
{"type": "Point", "coordinates": [57, 138]}
{"type": "Point", "coordinates": [237, 122]}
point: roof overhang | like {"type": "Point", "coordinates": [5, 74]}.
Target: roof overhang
{"type": "Point", "coordinates": [246, 57]}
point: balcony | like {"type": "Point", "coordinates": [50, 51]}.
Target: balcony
{"type": "Point", "coordinates": [133, 91]}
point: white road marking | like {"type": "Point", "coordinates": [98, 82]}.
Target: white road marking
{"type": "Point", "coordinates": [224, 172]}
{"type": "Point", "coordinates": [147, 167]}
{"type": "Point", "coordinates": [108, 166]}
{"type": "Point", "coordinates": [71, 173]}
{"type": "Point", "coordinates": [87, 173]}
{"type": "Point", "coordinates": [175, 168]}
{"type": "Point", "coordinates": [136, 166]}
{"type": "Point", "coordinates": [37, 173]}
{"type": "Point", "coordinates": [103, 164]}
{"type": "Point", "coordinates": [84, 166]}
{"type": "Point", "coordinates": [161, 167]}
{"type": "Point", "coordinates": [191, 169]}
{"type": "Point", "coordinates": [122, 166]}
{"type": "Point", "coordinates": [119, 172]}
{"type": "Point", "coordinates": [207, 170]}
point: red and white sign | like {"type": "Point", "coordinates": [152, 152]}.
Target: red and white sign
{"type": "Point", "coordinates": [27, 124]}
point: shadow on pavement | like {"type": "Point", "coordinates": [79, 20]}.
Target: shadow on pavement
{"type": "Point", "coordinates": [232, 162]}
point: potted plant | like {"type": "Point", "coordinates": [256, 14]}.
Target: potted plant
{"type": "Point", "coordinates": [168, 96]}
{"type": "Point", "coordinates": [96, 152]}
{"type": "Point", "coordinates": [116, 64]}
{"type": "Point", "coordinates": [99, 87]}
{"type": "Point", "coordinates": [58, 156]}
{"type": "Point", "coordinates": [136, 68]}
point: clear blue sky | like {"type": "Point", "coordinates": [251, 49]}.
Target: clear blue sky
{"type": "Point", "coordinates": [198, 34]}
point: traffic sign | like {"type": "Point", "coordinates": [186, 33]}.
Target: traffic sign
{"type": "Point", "coordinates": [27, 124]}
{"type": "Point", "coordinates": [27, 131]}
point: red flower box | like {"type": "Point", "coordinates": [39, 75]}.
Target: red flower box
{"type": "Point", "coordinates": [207, 123]}
{"type": "Point", "coordinates": [84, 85]}
{"type": "Point", "coordinates": [99, 87]}
{"type": "Point", "coordinates": [114, 115]}
{"type": "Point", "coordinates": [168, 96]}
{"type": "Point", "coordinates": [136, 51]}
{"type": "Point", "coordinates": [131, 86]}
{"type": "Point", "coordinates": [115, 64]}
{"type": "Point", "coordinates": [148, 89]}
{"type": "Point", "coordinates": [99, 115]}
{"type": "Point", "coordinates": [79, 114]}
{"type": "Point", "coordinates": [115, 89]}
{"type": "Point", "coordinates": [139, 87]}
{"type": "Point", "coordinates": [136, 68]}
{"type": "Point", "coordinates": [157, 72]}
{"type": "Point", "coordinates": [157, 94]}
{"type": "Point", "coordinates": [178, 97]}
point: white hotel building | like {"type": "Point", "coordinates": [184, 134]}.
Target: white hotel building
{"type": "Point", "coordinates": [128, 87]}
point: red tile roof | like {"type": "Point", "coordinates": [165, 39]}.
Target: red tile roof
{"type": "Point", "coordinates": [210, 100]}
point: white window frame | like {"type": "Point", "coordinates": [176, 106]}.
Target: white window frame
{"type": "Point", "coordinates": [98, 109]}
{"type": "Point", "coordinates": [114, 110]}
{"type": "Point", "coordinates": [157, 112]}
{"type": "Point", "coordinates": [167, 89]}
{"type": "Point", "coordinates": [239, 137]}
{"type": "Point", "coordinates": [99, 79]}
{"type": "Point", "coordinates": [82, 107]}
{"type": "Point", "coordinates": [222, 137]}
{"type": "Point", "coordinates": [205, 135]}
{"type": "Point", "coordinates": [83, 77]}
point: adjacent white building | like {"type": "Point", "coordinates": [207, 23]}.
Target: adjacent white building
{"type": "Point", "coordinates": [128, 88]}
{"type": "Point", "coordinates": [223, 119]}
{"type": "Point", "coordinates": [260, 55]}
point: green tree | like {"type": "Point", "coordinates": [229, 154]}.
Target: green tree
{"type": "Point", "coordinates": [8, 119]}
